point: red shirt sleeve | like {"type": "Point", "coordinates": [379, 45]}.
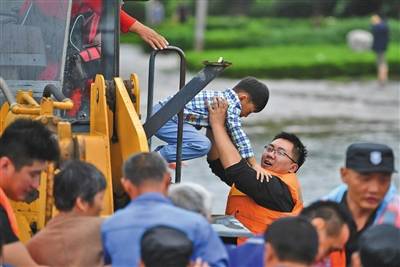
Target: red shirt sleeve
{"type": "Point", "coordinates": [126, 21]}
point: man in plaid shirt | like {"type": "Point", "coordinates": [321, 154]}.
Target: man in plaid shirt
{"type": "Point", "coordinates": [248, 96]}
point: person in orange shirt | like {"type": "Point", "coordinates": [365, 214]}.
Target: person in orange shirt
{"type": "Point", "coordinates": [26, 147]}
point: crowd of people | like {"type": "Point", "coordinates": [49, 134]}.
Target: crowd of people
{"type": "Point", "coordinates": [165, 225]}
{"type": "Point", "coordinates": [170, 225]}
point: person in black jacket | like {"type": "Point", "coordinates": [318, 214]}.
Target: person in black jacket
{"type": "Point", "coordinates": [260, 203]}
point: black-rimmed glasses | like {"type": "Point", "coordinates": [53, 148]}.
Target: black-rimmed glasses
{"type": "Point", "coordinates": [279, 151]}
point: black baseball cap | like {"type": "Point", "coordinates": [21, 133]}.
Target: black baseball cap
{"type": "Point", "coordinates": [370, 157]}
{"type": "Point", "coordinates": [379, 246]}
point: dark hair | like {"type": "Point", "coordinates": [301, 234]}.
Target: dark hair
{"type": "Point", "coordinates": [77, 179]}
{"type": "Point", "coordinates": [144, 166]}
{"type": "Point", "coordinates": [26, 140]}
{"type": "Point", "coordinates": [379, 246]}
{"type": "Point", "coordinates": [331, 212]}
{"type": "Point", "coordinates": [163, 246]}
{"type": "Point", "coordinates": [293, 239]}
{"type": "Point", "coordinates": [257, 91]}
{"type": "Point", "coordinates": [299, 150]}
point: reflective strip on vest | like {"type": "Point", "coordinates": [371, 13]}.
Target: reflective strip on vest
{"type": "Point", "coordinates": [5, 203]}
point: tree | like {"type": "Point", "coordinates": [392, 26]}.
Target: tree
{"type": "Point", "coordinates": [200, 25]}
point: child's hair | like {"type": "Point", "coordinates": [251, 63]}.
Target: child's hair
{"type": "Point", "coordinates": [257, 91]}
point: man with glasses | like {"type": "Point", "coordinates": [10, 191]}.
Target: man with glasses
{"type": "Point", "coordinates": [256, 203]}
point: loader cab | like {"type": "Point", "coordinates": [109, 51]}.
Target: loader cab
{"type": "Point", "coordinates": [63, 43]}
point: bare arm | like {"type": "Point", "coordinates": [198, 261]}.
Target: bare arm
{"type": "Point", "coordinates": [213, 153]}
{"type": "Point", "coordinates": [228, 153]}
{"type": "Point", "coordinates": [16, 254]}
{"type": "Point", "coordinates": [150, 36]}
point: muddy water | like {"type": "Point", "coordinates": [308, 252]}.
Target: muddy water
{"type": "Point", "coordinates": [327, 115]}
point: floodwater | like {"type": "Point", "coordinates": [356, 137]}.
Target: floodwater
{"type": "Point", "coordinates": [327, 115]}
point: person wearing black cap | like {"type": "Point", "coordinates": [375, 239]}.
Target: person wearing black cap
{"type": "Point", "coordinates": [367, 193]}
{"type": "Point", "coordinates": [379, 246]}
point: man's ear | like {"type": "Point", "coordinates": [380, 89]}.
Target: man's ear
{"type": "Point", "coordinates": [293, 167]}
{"type": "Point", "coordinates": [6, 167]}
{"type": "Point", "coordinates": [343, 174]}
{"type": "Point", "coordinates": [80, 204]}
{"type": "Point", "coordinates": [243, 96]}
{"type": "Point", "coordinates": [319, 224]}
{"type": "Point", "coordinates": [128, 187]}
{"type": "Point", "coordinates": [167, 180]}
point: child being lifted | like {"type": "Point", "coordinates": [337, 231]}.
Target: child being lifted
{"type": "Point", "coordinates": [248, 96]}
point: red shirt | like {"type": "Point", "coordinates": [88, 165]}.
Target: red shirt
{"type": "Point", "coordinates": [56, 9]}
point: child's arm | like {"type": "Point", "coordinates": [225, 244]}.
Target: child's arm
{"type": "Point", "coordinates": [261, 172]}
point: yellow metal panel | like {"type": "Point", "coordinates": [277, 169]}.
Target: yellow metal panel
{"type": "Point", "coordinates": [97, 152]}
{"type": "Point", "coordinates": [5, 109]}
{"type": "Point", "coordinates": [130, 130]}
{"type": "Point", "coordinates": [25, 232]}
{"type": "Point", "coordinates": [136, 92]}
{"type": "Point", "coordinates": [98, 108]}
{"type": "Point", "coordinates": [130, 133]}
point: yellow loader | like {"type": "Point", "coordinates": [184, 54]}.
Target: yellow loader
{"type": "Point", "coordinates": [52, 71]}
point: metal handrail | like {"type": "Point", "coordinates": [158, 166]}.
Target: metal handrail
{"type": "Point", "coordinates": [182, 79]}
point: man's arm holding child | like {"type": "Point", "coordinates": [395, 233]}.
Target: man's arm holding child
{"type": "Point", "coordinates": [240, 138]}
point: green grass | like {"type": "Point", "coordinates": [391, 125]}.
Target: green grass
{"type": "Point", "coordinates": [281, 48]}
{"type": "Point", "coordinates": [300, 62]}
{"type": "Point", "coordinates": [238, 32]}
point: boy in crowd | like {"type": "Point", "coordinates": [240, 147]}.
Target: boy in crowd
{"type": "Point", "coordinates": [78, 196]}
{"type": "Point", "coordinates": [248, 96]}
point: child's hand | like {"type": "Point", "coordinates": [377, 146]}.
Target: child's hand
{"type": "Point", "coordinates": [217, 111]}
{"type": "Point", "coordinates": [261, 173]}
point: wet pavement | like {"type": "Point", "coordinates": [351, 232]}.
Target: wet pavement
{"type": "Point", "coordinates": [327, 115]}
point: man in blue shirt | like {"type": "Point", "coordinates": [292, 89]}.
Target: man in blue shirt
{"type": "Point", "coordinates": [146, 180]}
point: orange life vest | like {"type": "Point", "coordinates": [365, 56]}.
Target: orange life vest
{"type": "Point", "coordinates": [257, 218]}
{"type": "Point", "coordinates": [338, 258]}
{"type": "Point", "coordinates": [5, 203]}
